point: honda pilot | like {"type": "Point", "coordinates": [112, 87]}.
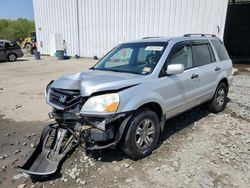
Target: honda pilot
{"type": "Point", "coordinates": [125, 99]}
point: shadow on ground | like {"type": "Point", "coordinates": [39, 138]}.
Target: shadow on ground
{"type": "Point", "coordinates": [172, 127]}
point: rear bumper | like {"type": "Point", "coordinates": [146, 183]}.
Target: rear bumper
{"type": "Point", "coordinates": [19, 53]}
{"type": "Point", "coordinates": [230, 80]}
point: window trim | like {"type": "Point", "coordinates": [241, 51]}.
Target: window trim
{"type": "Point", "coordinates": [178, 44]}
{"type": "Point", "coordinates": [164, 44]}
{"type": "Point", "coordinates": [211, 52]}
{"type": "Point", "coordinates": [216, 51]}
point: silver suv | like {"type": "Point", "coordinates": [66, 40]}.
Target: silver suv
{"type": "Point", "coordinates": [128, 95]}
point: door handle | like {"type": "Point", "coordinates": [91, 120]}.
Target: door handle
{"type": "Point", "coordinates": [217, 69]}
{"type": "Point", "coordinates": [194, 76]}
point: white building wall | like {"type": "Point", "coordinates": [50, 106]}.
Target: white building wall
{"type": "Point", "coordinates": [102, 24]}
{"type": "Point", "coordinates": [56, 17]}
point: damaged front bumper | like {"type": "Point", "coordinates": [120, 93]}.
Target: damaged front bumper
{"type": "Point", "coordinates": [58, 139]}
{"type": "Point", "coordinates": [55, 143]}
{"type": "Point", "coordinates": [95, 131]}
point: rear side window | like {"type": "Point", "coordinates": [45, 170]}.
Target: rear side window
{"type": "Point", "coordinates": [220, 49]}
{"type": "Point", "coordinates": [202, 54]}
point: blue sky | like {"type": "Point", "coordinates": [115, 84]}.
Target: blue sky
{"type": "Point", "coordinates": [13, 9]}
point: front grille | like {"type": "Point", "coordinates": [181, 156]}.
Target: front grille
{"type": "Point", "coordinates": [66, 99]}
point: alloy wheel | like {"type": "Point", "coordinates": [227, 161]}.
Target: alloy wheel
{"type": "Point", "coordinates": [145, 134]}
{"type": "Point", "coordinates": [220, 97]}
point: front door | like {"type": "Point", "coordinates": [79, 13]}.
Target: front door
{"type": "Point", "coordinates": [180, 90]}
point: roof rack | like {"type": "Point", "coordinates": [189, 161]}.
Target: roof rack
{"type": "Point", "coordinates": [199, 34]}
{"type": "Point", "coordinates": [150, 37]}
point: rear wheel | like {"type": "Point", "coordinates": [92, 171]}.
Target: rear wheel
{"type": "Point", "coordinates": [218, 102]}
{"type": "Point", "coordinates": [142, 135]}
{"type": "Point", "coordinates": [12, 57]}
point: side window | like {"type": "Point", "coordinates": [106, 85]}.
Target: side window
{"type": "Point", "coordinates": [2, 45]}
{"type": "Point", "coordinates": [7, 45]}
{"type": "Point", "coordinates": [220, 49]}
{"type": "Point", "coordinates": [182, 55]}
{"type": "Point", "coordinates": [202, 54]}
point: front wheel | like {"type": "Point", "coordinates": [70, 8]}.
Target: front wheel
{"type": "Point", "coordinates": [142, 134]}
{"type": "Point", "coordinates": [218, 102]}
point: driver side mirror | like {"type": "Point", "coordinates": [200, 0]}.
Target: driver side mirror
{"type": "Point", "coordinates": [175, 69]}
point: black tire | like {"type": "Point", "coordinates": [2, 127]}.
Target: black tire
{"type": "Point", "coordinates": [12, 57]}
{"type": "Point", "coordinates": [134, 147]}
{"type": "Point", "coordinates": [28, 48]}
{"type": "Point", "coordinates": [218, 102]}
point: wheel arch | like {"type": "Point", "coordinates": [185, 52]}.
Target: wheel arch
{"type": "Point", "coordinates": [27, 43]}
{"type": "Point", "coordinates": [225, 81]}
{"type": "Point", "coordinates": [222, 80]}
{"type": "Point", "coordinates": [154, 106]}
{"type": "Point", "coordinates": [11, 53]}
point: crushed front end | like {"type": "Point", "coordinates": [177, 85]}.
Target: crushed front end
{"type": "Point", "coordinates": [87, 121]}
{"type": "Point", "coordinates": [94, 124]}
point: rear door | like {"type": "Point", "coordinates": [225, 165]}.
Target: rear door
{"type": "Point", "coordinates": [180, 90]}
{"type": "Point", "coordinates": [224, 62]}
{"type": "Point", "coordinates": [208, 69]}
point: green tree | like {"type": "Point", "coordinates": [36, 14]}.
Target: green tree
{"type": "Point", "coordinates": [16, 29]}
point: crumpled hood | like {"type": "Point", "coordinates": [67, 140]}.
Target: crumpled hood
{"type": "Point", "coordinates": [92, 81]}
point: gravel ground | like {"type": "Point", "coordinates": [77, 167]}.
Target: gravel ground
{"type": "Point", "coordinates": [197, 148]}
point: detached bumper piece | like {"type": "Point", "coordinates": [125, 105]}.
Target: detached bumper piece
{"type": "Point", "coordinates": [54, 144]}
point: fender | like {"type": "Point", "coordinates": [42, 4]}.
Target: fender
{"type": "Point", "coordinates": [131, 102]}
{"type": "Point", "coordinates": [124, 125]}
{"type": "Point", "coordinates": [221, 76]}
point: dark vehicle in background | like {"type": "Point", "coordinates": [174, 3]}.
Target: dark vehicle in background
{"type": "Point", "coordinates": [10, 51]}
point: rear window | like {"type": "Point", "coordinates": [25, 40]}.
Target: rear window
{"type": "Point", "coordinates": [220, 49]}
{"type": "Point", "coordinates": [202, 54]}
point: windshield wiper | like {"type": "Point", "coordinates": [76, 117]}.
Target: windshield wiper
{"type": "Point", "coordinates": [115, 70]}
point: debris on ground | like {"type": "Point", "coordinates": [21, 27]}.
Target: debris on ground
{"type": "Point", "coordinates": [197, 148]}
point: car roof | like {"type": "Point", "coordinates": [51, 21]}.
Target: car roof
{"type": "Point", "coordinates": [3, 40]}
{"type": "Point", "coordinates": [174, 39]}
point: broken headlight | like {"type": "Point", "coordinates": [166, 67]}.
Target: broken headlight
{"type": "Point", "coordinates": [106, 104]}
{"type": "Point", "coordinates": [46, 90]}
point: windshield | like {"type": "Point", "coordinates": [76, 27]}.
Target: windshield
{"type": "Point", "coordinates": [136, 58]}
